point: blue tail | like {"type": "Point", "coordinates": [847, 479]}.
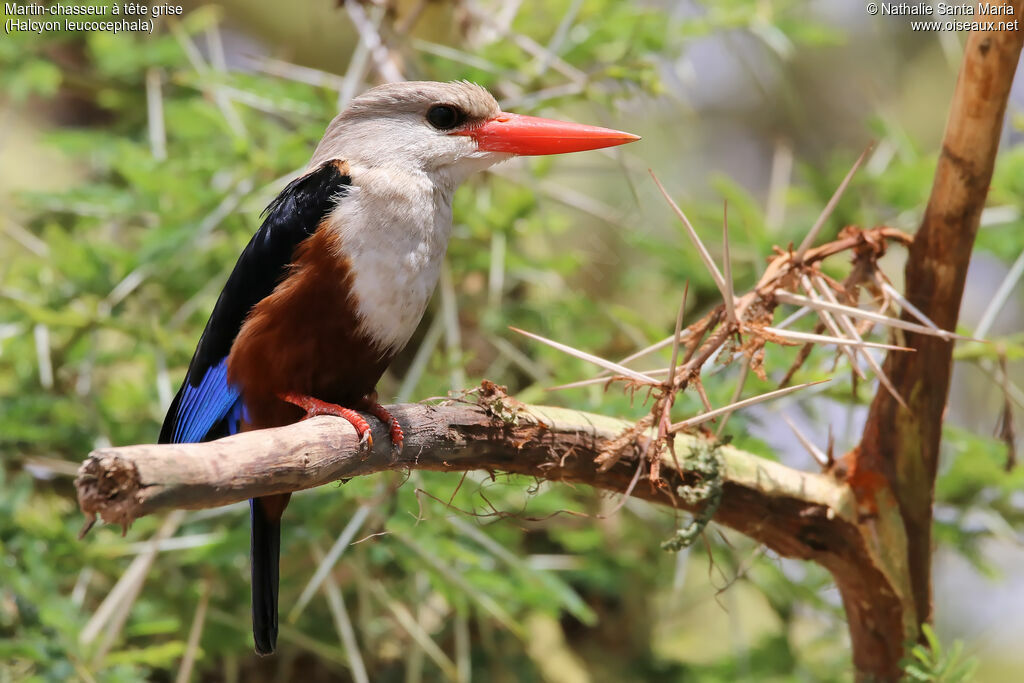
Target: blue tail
{"type": "Point", "coordinates": [207, 410]}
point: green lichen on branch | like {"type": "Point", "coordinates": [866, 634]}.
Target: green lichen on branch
{"type": "Point", "coordinates": [704, 463]}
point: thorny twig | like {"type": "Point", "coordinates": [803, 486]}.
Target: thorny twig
{"type": "Point", "coordinates": [741, 327]}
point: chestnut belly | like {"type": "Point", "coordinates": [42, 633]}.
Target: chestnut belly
{"type": "Point", "coordinates": [305, 338]}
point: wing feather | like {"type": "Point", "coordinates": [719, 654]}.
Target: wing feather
{"type": "Point", "coordinates": [207, 406]}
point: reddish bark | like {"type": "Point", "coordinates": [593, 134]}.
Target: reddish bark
{"type": "Point", "coordinates": [902, 444]}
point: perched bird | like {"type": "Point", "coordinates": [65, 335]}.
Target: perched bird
{"type": "Point", "coordinates": [335, 281]}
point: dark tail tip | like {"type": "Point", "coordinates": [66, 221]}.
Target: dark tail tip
{"type": "Point", "coordinates": [265, 551]}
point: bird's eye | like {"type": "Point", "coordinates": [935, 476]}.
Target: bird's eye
{"type": "Point", "coordinates": [444, 116]}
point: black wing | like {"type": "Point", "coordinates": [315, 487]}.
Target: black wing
{"type": "Point", "coordinates": [206, 403]}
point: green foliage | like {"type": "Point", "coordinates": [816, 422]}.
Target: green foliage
{"type": "Point", "coordinates": [974, 486]}
{"type": "Point", "coordinates": [932, 663]}
{"type": "Point", "coordinates": [103, 301]}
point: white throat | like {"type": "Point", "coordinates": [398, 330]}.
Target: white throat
{"type": "Point", "coordinates": [394, 227]}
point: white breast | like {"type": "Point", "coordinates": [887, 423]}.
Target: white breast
{"type": "Point", "coordinates": [394, 229]}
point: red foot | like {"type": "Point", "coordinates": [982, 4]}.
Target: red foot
{"type": "Point", "coordinates": [314, 407]}
{"type": "Point", "coordinates": [382, 414]}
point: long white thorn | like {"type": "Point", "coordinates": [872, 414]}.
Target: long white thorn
{"type": "Point", "coordinates": [675, 336]}
{"type": "Point", "coordinates": [830, 323]}
{"type": "Point", "coordinates": [815, 452]}
{"type": "Point", "coordinates": [657, 346]}
{"type": "Point", "coordinates": [730, 302]}
{"type": "Point", "coordinates": [1000, 297]}
{"type": "Point", "coordinates": [993, 371]}
{"type": "Point", "coordinates": [735, 396]}
{"type": "Point", "coordinates": [590, 358]}
{"type": "Point", "coordinates": [603, 380]}
{"type": "Point", "coordinates": [799, 300]}
{"type": "Point", "coordinates": [699, 386]}
{"type": "Point", "coordinates": [799, 313]}
{"type": "Point", "coordinates": [825, 339]}
{"type": "Point", "coordinates": [907, 306]}
{"type": "Point", "coordinates": [716, 275]}
{"type": "Point", "coordinates": [693, 421]}
{"type": "Point", "coordinates": [830, 207]}
{"type": "Point", "coordinates": [851, 329]}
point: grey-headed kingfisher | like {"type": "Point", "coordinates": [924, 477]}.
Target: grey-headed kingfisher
{"type": "Point", "coordinates": [336, 279]}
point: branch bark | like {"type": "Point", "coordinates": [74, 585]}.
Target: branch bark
{"type": "Point", "coordinates": [897, 460]}
{"type": "Point", "coordinates": [797, 514]}
{"type": "Point", "coordinates": [121, 484]}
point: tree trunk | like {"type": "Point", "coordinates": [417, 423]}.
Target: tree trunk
{"type": "Point", "coordinates": [899, 450]}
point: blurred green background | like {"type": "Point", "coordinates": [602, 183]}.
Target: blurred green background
{"type": "Point", "coordinates": [133, 169]}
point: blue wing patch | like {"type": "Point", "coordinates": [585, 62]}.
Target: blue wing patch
{"type": "Point", "coordinates": [203, 406]}
{"type": "Point", "coordinates": [209, 408]}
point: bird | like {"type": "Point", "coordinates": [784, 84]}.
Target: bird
{"type": "Point", "coordinates": [337, 277]}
